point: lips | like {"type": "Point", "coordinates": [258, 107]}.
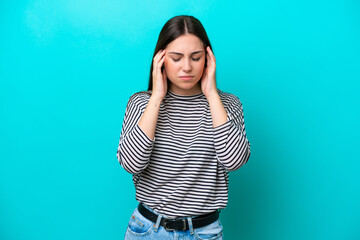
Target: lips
{"type": "Point", "coordinates": [186, 77]}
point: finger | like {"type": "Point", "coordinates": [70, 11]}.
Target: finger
{"type": "Point", "coordinates": [158, 62]}
{"type": "Point", "coordinates": [161, 54]}
{"type": "Point", "coordinates": [208, 60]}
{"type": "Point", "coordinates": [211, 54]}
{"type": "Point", "coordinates": [161, 51]}
{"type": "Point", "coordinates": [161, 62]}
{"type": "Point", "coordinates": [158, 55]}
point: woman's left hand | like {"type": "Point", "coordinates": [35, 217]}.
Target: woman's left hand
{"type": "Point", "coordinates": [208, 81]}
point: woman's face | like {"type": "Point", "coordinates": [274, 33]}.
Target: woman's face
{"type": "Point", "coordinates": [184, 64]}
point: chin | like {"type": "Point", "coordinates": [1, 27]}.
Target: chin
{"type": "Point", "coordinates": [185, 85]}
{"type": "Point", "coordinates": [188, 85]}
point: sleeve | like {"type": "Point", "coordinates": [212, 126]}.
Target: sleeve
{"type": "Point", "coordinates": [231, 144]}
{"type": "Point", "coordinates": [135, 146]}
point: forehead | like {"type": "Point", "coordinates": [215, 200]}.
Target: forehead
{"type": "Point", "coordinates": [185, 43]}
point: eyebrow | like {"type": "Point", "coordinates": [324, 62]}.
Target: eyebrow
{"type": "Point", "coordinates": [183, 54]}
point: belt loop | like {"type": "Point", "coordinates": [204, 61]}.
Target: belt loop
{"type": "Point", "coordinates": [190, 225]}
{"type": "Point", "coordinates": [157, 224]}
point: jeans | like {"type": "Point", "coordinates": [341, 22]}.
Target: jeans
{"type": "Point", "coordinates": [141, 228]}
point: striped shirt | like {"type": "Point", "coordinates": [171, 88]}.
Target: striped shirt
{"type": "Point", "coordinates": [184, 170]}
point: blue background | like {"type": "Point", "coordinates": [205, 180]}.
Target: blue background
{"type": "Point", "coordinates": [67, 69]}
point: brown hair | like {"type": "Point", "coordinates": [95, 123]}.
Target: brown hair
{"type": "Point", "coordinates": [174, 28]}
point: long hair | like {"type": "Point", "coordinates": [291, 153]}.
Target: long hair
{"type": "Point", "coordinates": [174, 28]}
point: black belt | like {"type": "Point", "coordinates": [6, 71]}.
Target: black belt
{"type": "Point", "coordinates": [179, 224]}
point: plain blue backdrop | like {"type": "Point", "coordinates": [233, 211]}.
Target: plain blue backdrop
{"type": "Point", "coordinates": [67, 69]}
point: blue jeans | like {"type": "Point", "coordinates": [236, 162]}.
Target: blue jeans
{"type": "Point", "coordinates": [141, 228]}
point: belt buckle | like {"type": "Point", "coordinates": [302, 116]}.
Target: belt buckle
{"type": "Point", "coordinates": [171, 229]}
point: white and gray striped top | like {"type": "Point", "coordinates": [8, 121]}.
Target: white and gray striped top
{"type": "Point", "coordinates": [184, 170]}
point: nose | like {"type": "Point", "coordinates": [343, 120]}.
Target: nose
{"type": "Point", "coordinates": [186, 67]}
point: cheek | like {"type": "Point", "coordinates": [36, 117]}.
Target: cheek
{"type": "Point", "coordinates": [169, 66]}
{"type": "Point", "coordinates": [166, 63]}
{"type": "Point", "coordinates": [201, 65]}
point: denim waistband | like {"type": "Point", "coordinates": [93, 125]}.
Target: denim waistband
{"type": "Point", "coordinates": [168, 216]}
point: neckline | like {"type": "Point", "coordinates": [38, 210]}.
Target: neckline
{"type": "Point", "coordinates": [185, 97]}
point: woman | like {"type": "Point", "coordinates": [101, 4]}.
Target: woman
{"type": "Point", "coordinates": [181, 138]}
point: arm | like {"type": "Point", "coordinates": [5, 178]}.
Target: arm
{"type": "Point", "coordinates": [135, 146]}
{"type": "Point", "coordinates": [231, 144]}
{"type": "Point", "coordinates": [149, 119]}
{"type": "Point", "coordinates": [138, 131]}
{"type": "Point", "coordinates": [208, 87]}
{"type": "Point", "coordinates": [218, 112]}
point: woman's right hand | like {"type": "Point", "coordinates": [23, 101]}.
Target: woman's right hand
{"type": "Point", "coordinates": [149, 118]}
{"type": "Point", "coordinates": [159, 88]}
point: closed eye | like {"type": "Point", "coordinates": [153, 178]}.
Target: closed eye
{"type": "Point", "coordinates": [178, 59]}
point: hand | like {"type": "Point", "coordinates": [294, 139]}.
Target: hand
{"type": "Point", "coordinates": [208, 82]}
{"type": "Point", "coordinates": [159, 78]}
